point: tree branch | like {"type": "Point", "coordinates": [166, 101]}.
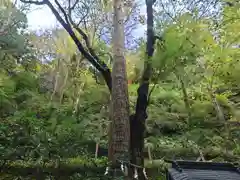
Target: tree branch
{"type": "Point", "coordinates": [74, 5]}
{"type": "Point", "coordinates": [131, 11]}
{"type": "Point", "coordinates": [85, 37]}
{"type": "Point", "coordinates": [63, 11]}
{"type": "Point", "coordinates": [94, 60]}
{"type": "Point", "coordinates": [84, 16]}
{"type": "Point", "coordinates": [34, 2]}
{"type": "Point", "coordinates": [68, 28]}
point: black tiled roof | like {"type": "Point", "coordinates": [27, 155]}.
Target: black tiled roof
{"type": "Point", "coordinates": [191, 170]}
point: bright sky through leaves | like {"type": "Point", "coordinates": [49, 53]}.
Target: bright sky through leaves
{"type": "Point", "coordinates": [40, 17]}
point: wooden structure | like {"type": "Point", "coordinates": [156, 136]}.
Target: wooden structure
{"type": "Point", "coordinates": [192, 170]}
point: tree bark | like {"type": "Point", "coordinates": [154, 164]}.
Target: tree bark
{"type": "Point", "coordinates": [139, 119]}
{"type": "Point", "coordinates": [120, 130]}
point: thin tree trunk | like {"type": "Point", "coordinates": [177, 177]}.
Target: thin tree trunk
{"type": "Point", "coordinates": [96, 150]}
{"type": "Point", "coordinates": [55, 85]}
{"type": "Point", "coordinates": [217, 107]}
{"type": "Point", "coordinates": [149, 153]}
{"type": "Point", "coordinates": [78, 94]}
{"type": "Point", "coordinates": [185, 95]}
{"type": "Point", "coordinates": [63, 86]}
{"type": "Point", "coordinates": [186, 99]}
{"type": "Point", "coordinates": [120, 103]}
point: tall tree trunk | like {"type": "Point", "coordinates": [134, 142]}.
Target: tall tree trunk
{"type": "Point", "coordinates": [120, 130]}
{"type": "Point", "coordinates": [139, 119]}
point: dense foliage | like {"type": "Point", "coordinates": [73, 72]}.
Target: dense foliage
{"type": "Point", "coordinates": [53, 112]}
